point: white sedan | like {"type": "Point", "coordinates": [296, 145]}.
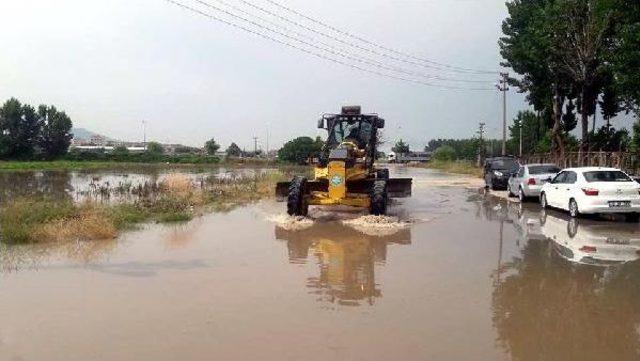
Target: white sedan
{"type": "Point", "coordinates": [592, 190]}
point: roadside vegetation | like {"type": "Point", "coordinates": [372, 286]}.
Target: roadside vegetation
{"type": "Point", "coordinates": [175, 198]}
{"type": "Point", "coordinates": [457, 167]}
{"type": "Point", "coordinates": [446, 159]}
{"type": "Point", "coordinates": [572, 59]}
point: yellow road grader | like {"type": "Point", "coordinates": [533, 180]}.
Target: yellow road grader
{"type": "Point", "coordinates": [345, 172]}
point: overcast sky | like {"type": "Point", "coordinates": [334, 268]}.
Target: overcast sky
{"type": "Point", "coordinates": [111, 64]}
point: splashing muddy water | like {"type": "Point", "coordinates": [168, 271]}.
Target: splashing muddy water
{"type": "Point", "coordinates": [449, 275]}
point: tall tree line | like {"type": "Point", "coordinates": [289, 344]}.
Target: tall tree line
{"type": "Point", "coordinates": [570, 57]}
{"type": "Point", "coordinates": [28, 133]}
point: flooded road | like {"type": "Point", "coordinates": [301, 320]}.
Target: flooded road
{"type": "Point", "coordinates": [451, 275]}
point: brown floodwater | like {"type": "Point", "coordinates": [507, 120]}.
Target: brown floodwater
{"type": "Point", "coordinates": [452, 275]}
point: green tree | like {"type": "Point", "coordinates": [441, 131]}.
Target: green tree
{"type": "Point", "coordinates": [211, 147]}
{"type": "Point", "coordinates": [531, 131]}
{"type": "Point", "coordinates": [299, 150]}
{"type": "Point", "coordinates": [569, 120]}
{"type": "Point", "coordinates": [444, 153]}
{"type": "Point", "coordinates": [233, 150]}
{"type": "Point", "coordinates": [527, 48]}
{"type": "Point", "coordinates": [120, 152]}
{"type": "Point", "coordinates": [19, 130]}
{"type": "Point", "coordinates": [564, 50]}
{"type": "Point", "coordinates": [635, 137]}
{"type": "Point", "coordinates": [400, 147]}
{"type": "Point", "coordinates": [609, 139]}
{"type": "Point", "coordinates": [155, 149]}
{"type": "Point", "coordinates": [610, 101]}
{"type": "Point", "coordinates": [625, 53]}
{"type": "Point", "coordinates": [464, 148]}
{"type": "Point", "coordinates": [55, 135]}
{"type": "Point", "coordinates": [584, 35]}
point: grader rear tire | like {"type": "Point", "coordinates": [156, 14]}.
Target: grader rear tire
{"type": "Point", "coordinates": [296, 203]}
{"type": "Point", "coordinates": [379, 198]}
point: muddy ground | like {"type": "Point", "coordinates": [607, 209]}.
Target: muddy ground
{"type": "Point", "coordinates": [451, 274]}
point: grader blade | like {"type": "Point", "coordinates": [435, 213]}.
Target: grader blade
{"type": "Point", "coordinates": [282, 188]}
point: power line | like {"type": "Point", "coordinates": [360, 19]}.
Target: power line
{"type": "Point", "coordinates": [347, 43]}
{"type": "Point", "coordinates": [329, 48]}
{"type": "Point", "coordinates": [345, 33]}
{"type": "Point", "coordinates": [310, 52]}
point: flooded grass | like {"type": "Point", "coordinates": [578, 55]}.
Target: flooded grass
{"type": "Point", "coordinates": [124, 165]}
{"type": "Point", "coordinates": [176, 198]}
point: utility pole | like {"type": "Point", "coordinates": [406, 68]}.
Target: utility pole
{"type": "Point", "coordinates": [520, 139]}
{"type": "Point", "coordinates": [255, 146]}
{"type": "Point", "coordinates": [480, 132]}
{"type": "Point", "coordinates": [503, 87]}
{"type": "Point", "coordinates": [267, 141]}
{"type": "Point", "coordinates": [144, 135]}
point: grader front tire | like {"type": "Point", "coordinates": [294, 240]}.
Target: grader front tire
{"type": "Point", "coordinates": [379, 198]}
{"type": "Point", "coordinates": [296, 203]}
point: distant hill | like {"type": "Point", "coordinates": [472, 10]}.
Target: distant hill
{"type": "Point", "coordinates": [81, 133]}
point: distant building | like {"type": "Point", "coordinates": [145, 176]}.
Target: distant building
{"type": "Point", "coordinates": [97, 140]}
{"type": "Point", "coordinates": [104, 149]}
{"type": "Point", "coordinates": [419, 157]}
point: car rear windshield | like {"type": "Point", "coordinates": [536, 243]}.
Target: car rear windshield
{"type": "Point", "coordinates": [507, 164]}
{"type": "Point", "coordinates": [543, 169]}
{"type": "Point", "coordinates": [606, 176]}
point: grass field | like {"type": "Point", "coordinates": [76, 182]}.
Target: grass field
{"type": "Point", "coordinates": [457, 167]}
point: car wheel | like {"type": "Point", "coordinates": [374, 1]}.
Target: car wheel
{"type": "Point", "coordinates": [573, 208]}
{"type": "Point", "coordinates": [572, 227]}
{"type": "Point", "coordinates": [543, 201]}
{"type": "Point", "coordinates": [521, 195]}
{"type": "Point", "coordinates": [543, 217]}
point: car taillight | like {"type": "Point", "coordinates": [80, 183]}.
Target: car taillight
{"type": "Point", "coordinates": [590, 191]}
{"type": "Point", "coordinates": [531, 181]}
{"type": "Point", "coordinates": [588, 249]}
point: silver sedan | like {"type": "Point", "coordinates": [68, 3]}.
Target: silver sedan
{"type": "Point", "coordinates": [529, 180]}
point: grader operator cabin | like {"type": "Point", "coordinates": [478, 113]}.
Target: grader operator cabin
{"type": "Point", "coordinates": [346, 173]}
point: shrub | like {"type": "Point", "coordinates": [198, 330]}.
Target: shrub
{"type": "Point", "coordinates": [444, 153]}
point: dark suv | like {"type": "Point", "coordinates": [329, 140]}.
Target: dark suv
{"type": "Point", "coordinates": [497, 171]}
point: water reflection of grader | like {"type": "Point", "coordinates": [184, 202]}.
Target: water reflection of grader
{"type": "Point", "coordinates": [346, 257]}
{"type": "Point", "coordinates": [345, 173]}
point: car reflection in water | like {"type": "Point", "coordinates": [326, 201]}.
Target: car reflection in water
{"type": "Point", "coordinates": [570, 290]}
{"type": "Point", "coordinates": [589, 242]}
{"type": "Point", "coordinates": [347, 260]}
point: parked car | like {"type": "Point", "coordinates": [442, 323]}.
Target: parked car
{"type": "Point", "coordinates": [497, 171]}
{"type": "Point", "coordinates": [529, 180]}
{"type": "Point", "coordinates": [592, 190]}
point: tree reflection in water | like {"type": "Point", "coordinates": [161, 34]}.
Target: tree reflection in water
{"type": "Point", "coordinates": [346, 260]}
{"type": "Point", "coordinates": [50, 184]}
